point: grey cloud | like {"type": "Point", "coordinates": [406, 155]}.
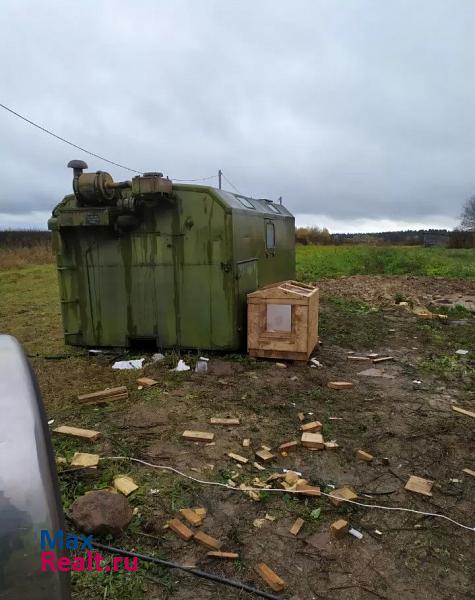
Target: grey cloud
{"type": "Point", "coordinates": [353, 110]}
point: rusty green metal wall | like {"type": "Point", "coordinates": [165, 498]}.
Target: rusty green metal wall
{"type": "Point", "coordinates": [179, 278]}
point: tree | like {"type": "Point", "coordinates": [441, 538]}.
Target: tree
{"type": "Point", "coordinates": [468, 215]}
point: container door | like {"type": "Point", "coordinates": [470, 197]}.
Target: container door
{"type": "Point", "coordinates": [246, 282]}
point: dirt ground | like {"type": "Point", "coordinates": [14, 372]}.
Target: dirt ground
{"type": "Point", "coordinates": [404, 416]}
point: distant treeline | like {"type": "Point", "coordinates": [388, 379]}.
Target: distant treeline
{"type": "Point", "coordinates": [24, 238]}
{"type": "Point", "coordinates": [411, 237]}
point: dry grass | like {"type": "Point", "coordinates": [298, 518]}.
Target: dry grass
{"type": "Point", "coordinates": [14, 258]}
{"type": "Point", "coordinates": [24, 248]}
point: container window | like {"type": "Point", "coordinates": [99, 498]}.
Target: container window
{"type": "Point", "coordinates": [246, 202]}
{"type": "Point", "coordinates": [273, 208]}
{"type": "Point", "coordinates": [279, 317]}
{"type": "Point", "coordinates": [270, 236]}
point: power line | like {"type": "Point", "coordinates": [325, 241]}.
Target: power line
{"type": "Point", "coordinates": [199, 179]}
{"type": "Point", "coordinates": [58, 137]}
{"type": "Point", "coordinates": [111, 162]}
{"type": "Point", "coordinates": [231, 183]}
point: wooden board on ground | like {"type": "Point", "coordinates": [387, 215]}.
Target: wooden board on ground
{"type": "Point", "coordinates": [297, 526]}
{"type": "Point", "coordinates": [180, 529]}
{"type": "Point", "coordinates": [464, 411]}
{"type": "Point", "coordinates": [342, 494]}
{"type": "Point", "coordinates": [419, 485]}
{"type": "Point", "coordinates": [226, 555]}
{"type": "Point", "coordinates": [313, 440]}
{"type": "Point", "coordinates": [198, 436]}
{"type": "Point", "coordinates": [264, 455]}
{"type": "Point", "coordinates": [340, 385]}
{"type": "Point", "coordinates": [86, 434]}
{"type": "Point", "coordinates": [191, 516]}
{"type": "Point", "coordinates": [272, 579]}
{"type": "Point", "coordinates": [83, 459]}
{"type": "Point", "coordinates": [125, 485]}
{"type": "Point", "coordinates": [208, 541]}
{"type": "Point", "coordinates": [225, 421]}
{"type": "Point", "coordinates": [146, 381]}
{"type": "Point", "coordinates": [107, 395]}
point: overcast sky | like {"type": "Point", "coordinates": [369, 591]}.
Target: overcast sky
{"type": "Point", "coordinates": [359, 113]}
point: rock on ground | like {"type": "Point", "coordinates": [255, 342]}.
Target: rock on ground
{"type": "Point", "coordinates": [101, 513]}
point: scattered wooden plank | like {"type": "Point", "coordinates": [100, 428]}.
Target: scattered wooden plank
{"type": "Point", "coordinates": [226, 421]}
{"type": "Point", "coordinates": [365, 456]}
{"type": "Point", "coordinates": [312, 427]}
{"type": "Point", "coordinates": [125, 485]}
{"type": "Point", "coordinates": [419, 485]}
{"type": "Point", "coordinates": [146, 381]}
{"type": "Point", "coordinates": [339, 495]}
{"type": "Point", "coordinates": [339, 528]}
{"type": "Point", "coordinates": [200, 511]}
{"type": "Point", "coordinates": [312, 440]}
{"type": "Point", "coordinates": [198, 436]}
{"type": "Point", "coordinates": [288, 446]}
{"type": "Point", "coordinates": [86, 434]}
{"type": "Point", "coordinates": [107, 395]}
{"type": "Point", "coordinates": [301, 416]}
{"type": "Point", "coordinates": [464, 411]}
{"type": "Point", "coordinates": [469, 472]}
{"type": "Point", "coordinates": [83, 459]}
{"type": "Point", "coordinates": [340, 385]}
{"type": "Point", "coordinates": [382, 359]}
{"type": "Point", "coordinates": [191, 516]}
{"type": "Point", "coordinates": [246, 443]}
{"type": "Point", "coordinates": [226, 555]}
{"type": "Point", "coordinates": [258, 466]}
{"type": "Point", "coordinates": [281, 365]}
{"type": "Point", "coordinates": [308, 490]}
{"type": "Point", "coordinates": [238, 458]}
{"type": "Point", "coordinates": [208, 541]}
{"type": "Point", "coordinates": [264, 455]}
{"type": "Point", "coordinates": [180, 529]}
{"type": "Point", "coordinates": [357, 358]}
{"type": "Point", "coordinates": [297, 526]}
{"type": "Point", "coordinates": [275, 582]}
{"type": "Point", "coordinates": [332, 445]}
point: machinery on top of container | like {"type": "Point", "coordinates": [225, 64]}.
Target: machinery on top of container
{"type": "Point", "coordinates": [170, 265]}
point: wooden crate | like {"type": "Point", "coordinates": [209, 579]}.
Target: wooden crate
{"type": "Point", "coordinates": [282, 321]}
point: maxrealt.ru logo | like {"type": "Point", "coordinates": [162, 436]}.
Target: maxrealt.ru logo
{"type": "Point", "coordinates": [79, 543]}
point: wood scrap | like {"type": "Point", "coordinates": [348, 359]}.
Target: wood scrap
{"type": "Point", "coordinates": [238, 458]}
{"type": "Point", "coordinates": [339, 495]}
{"type": "Point", "coordinates": [339, 528]}
{"type": "Point", "coordinates": [224, 421]}
{"type": "Point", "coordinates": [198, 436]}
{"type": "Point", "coordinates": [125, 485]}
{"type": "Point", "coordinates": [191, 516]}
{"type": "Point", "coordinates": [146, 381]}
{"type": "Point", "coordinates": [271, 578]}
{"type": "Point", "coordinates": [207, 540]}
{"type": "Point", "coordinates": [463, 411]}
{"type": "Point", "coordinates": [312, 427]}
{"type": "Point", "coordinates": [297, 526]}
{"type": "Point", "coordinates": [180, 529]}
{"type": "Point", "coordinates": [83, 459]}
{"type": "Point", "coordinates": [107, 395]}
{"type": "Point", "coordinates": [340, 385]}
{"type": "Point", "coordinates": [364, 456]}
{"type": "Point", "coordinates": [225, 555]}
{"type": "Point", "coordinates": [419, 485]}
{"type": "Point", "coordinates": [86, 434]}
{"type": "Point", "coordinates": [264, 455]}
{"type": "Point", "coordinates": [313, 440]}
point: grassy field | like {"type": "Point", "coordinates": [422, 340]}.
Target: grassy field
{"type": "Point", "coordinates": [316, 262]}
{"type": "Point", "coordinates": [412, 424]}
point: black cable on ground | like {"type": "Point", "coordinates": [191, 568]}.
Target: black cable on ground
{"type": "Point", "coordinates": [166, 563]}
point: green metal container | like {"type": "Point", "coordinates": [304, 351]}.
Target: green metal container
{"type": "Point", "coordinates": [167, 264]}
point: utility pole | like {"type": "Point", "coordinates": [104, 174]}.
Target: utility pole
{"type": "Point", "coordinates": [219, 177]}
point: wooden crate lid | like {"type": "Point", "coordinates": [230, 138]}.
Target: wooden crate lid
{"type": "Point", "coordinates": [285, 289]}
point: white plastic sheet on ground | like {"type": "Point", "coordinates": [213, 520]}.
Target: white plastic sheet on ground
{"type": "Point", "coordinates": [136, 363]}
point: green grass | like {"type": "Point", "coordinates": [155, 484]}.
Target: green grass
{"type": "Point", "coordinates": [316, 262]}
